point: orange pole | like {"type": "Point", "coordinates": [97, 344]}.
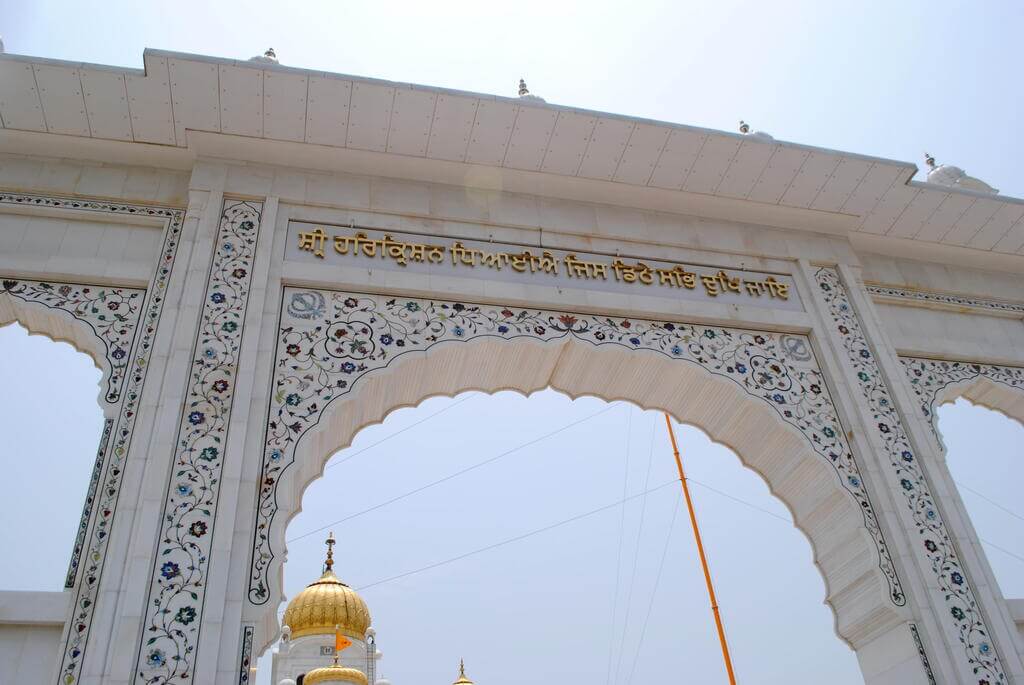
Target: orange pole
{"type": "Point", "coordinates": [700, 550]}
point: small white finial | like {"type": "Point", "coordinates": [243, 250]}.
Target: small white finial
{"type": "Point", "coordinates": [929, 160]}
{"type": "Point", "coordinates": [744, 127]}
{"type": "Point", "coordinates": [268, 57]}
{"type": "Point", "coordinates": [523, 90]}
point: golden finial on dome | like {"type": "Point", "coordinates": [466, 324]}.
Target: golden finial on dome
{"type": "Point", "coordinates": [329, 563]}
{"type": "Point", "coordinates": [335, 674]}
{"type": "Point", "coordinates": [463, 680]}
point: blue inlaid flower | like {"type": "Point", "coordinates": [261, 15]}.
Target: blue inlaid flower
{"type": "Point", "coordinates": [275, 455]}
{"type": "Point", "coordinates": [227, 247]}
{"type": "Point", "coordinates": [956, 578]}
{"type": "Point", "coordinates": [958, 613]}
{"type": "Point", "coordinates": [170, 570]}
{"type": "Point", "coordinates": [185, 615]}
{"type": "Point", "coordinates": [503, 329]}
{"type": "Point", "coordinates": [217, 298]}
{"type": "Point", "coordinates": [156, 658]}
{"type": "Point", "coordinates": [209, 453]}
{"type": "Point", "coordinates": [196, 418]}
{"type": "Point", "coordinates": [829, 431]}
{"type": "Point", "coordinates": [677, 350]}
{"type": "Point", "coordinates": [984, 648]}
{"type": "Point", "coordinates": [635, 341]}
{"type": "Point", "coordinates": [930, 514]}
{"type": "Point", "coordinates": [229, 326]}
{"type": "Point", "coordinates": [184, 489]}
{"type": "Point", "coordinates": [865, 354]}
{"type": "Point", "coordinates": [209, 353]}
{"type": "Point", "coordinates": [458, 331]}
{"type": "Point", "coordinates": [412, 306]}
{"type": "Point", "coordinates": [907, 456]}
{"type": "Point", "coordinates": [741, 368]}
{"type": "Point", "coordinates": [854, 481]}
{"type": "Point", "coordinates": [118, 353]}
{"type": "Point", "coordinates": [386, 339]}
{"type": "Point", "coordinates": [778, 398]}
{"type": "Point", "coordinates": [907, 485]}
{"type": "Point", "coordinates": [348, 367]}
{"type": "Point", "coordinates": [293, 399]}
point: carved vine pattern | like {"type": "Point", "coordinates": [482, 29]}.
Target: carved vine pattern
{"type": "Point", "coordinates": [329, 340]}
{"type": "Point", "coordinates": [100, 506]}
{"type": "Point", "coordinates": [962, 609]}
{"type": "Point", "coordinates": [928, 377]}
{"type": "Point", "coordinates": [181, 568]}
{"type": "Point", "coordinates": [923, 654]}
{"type": "Point", "coordinates": [111, 312]}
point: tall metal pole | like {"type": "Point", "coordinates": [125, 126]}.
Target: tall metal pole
{"type": "Point", "coordinates": [700, 550]}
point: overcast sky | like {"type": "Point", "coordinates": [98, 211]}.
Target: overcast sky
{"type": "Point", "coordinates": [569, 604]}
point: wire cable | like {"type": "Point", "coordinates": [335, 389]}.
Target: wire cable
{"type": "Point", "coordinates": [622, 535]}
{"type": "Point", "coordinates": [989, 500]}
{"type": "Point", "coordinates": [399, 432]}
{"type": "Point", "coordinates": [517, 538]}
{"type": "Point", "coordinates": [450, 476]}
{"type": "Point", "coordinates": [636, 555]}
{"type": "Point", "coordinates": [654, 590]}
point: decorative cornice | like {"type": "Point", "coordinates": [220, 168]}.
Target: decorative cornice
{"type": "Point", "coordinates": [910, 296]}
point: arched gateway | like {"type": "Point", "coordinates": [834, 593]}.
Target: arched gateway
{"type": "Point", "coordinates": [259, 285]}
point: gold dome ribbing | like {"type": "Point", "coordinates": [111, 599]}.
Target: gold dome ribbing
{"type": "Point", "coordinates": [327, 603]}
{"type": "Point", "coordinates": [334, 674]}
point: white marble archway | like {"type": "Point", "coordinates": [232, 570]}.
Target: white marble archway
{"type": "Point", "coordinates": [341, 366]}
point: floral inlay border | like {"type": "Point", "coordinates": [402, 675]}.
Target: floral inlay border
{"type": "Point", "coordinates": [928, 377]}
{"type": "Point", "coordinates": [921, 653]}
{"type": "Point", "coordinates": [329, 340]}
{"type": "Point", "coordinates": [90, 497]}
{"type": "Point", "coordinates": [177, 588]}
{"type": "Point", "coordinates": [245, 661]}
{"type": "Point", "coordinates": [949, 299]}
{"type": "Point", "coordinates": [936, 545]}
{"type": "Point", "coordinates": [102, 502]}
{"type": "Point", "coordinates": [111, 312]}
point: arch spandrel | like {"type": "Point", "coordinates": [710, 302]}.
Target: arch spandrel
{"type": "Point", "coordinates": [345, 361]}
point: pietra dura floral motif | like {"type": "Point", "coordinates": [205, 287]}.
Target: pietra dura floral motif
{"type": "Point", "coordinates": [329, 340]}
{"type": "Point", "coordinates": [181, 569]}
{"type": "Point", "coordinates": [955, 301]}
{"type": "Point", "coordinates": [90, 497]}
{"type": "Point", "coordinates": [960, 606]}
{"type": "Point", "coordinates": [124, 389]}
{"type": "Point", "coordinates": [928, 377]}
{"type": "Point", "coordinates": [112, 313]}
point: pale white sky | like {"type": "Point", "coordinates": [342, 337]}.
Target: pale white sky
{"type": "Point", "coordinates": [880, 78]}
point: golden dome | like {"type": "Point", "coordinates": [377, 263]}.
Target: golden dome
{"type": "Point", "coordinates": [334, 674]}
{"type": "Point", "coordinates": [463, 680]}
{"type": "Point", "coordinates": [327, 603]}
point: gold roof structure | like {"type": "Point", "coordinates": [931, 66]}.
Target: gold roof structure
{"type": "Point", "coordinates": [334, 674]}
{"type": "Point", "coordinates": [463, 680]}
{"type": "Point", "coordinates": [327, 603]}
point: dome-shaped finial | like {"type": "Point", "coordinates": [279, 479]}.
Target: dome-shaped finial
{"type": "Point", "coordinates": [329, 562]}
{"type": "Point", "coordinates": [523, 90]}
{"type": "Point", "coordinates": [754, 135]}
{"type": "Point", "coordinates": [744, 127]}
{"type": "Point", "coordinates": [955, 177]}
{"type": "Point", "coordinates": [268, 57]}
{"type": "Point", "coordinates": [929, 160]}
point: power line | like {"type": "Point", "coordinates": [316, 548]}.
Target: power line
{"type": "Point", "coordinates": [740, 501]}
{"type": "Point", "coordinates": [450, 476]}
{"type": "Point", "coordinates": [1002, 549]}
{"type": "Point", "coordinates": [517, 538]}
{"type": "Point", "coordinates": [989, 500]}
{"type": "Point", "coordinates": [654, 590]}
{"type": "Point", "coordinates": [636, 553]}
{"type": "Point", "coordinates": [399, 432]}
{"type": "Point", "coordinates": [622, 536]}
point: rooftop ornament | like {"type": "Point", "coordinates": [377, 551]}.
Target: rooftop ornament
{"type": "Point", "coordinates": [268, 57]}
{"type": "Point", "coordinates": [954, 177]}
{"type": "Point", "coordinates": [755, 135]}
{"type": "Point", "coordinates": [524, 93]}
